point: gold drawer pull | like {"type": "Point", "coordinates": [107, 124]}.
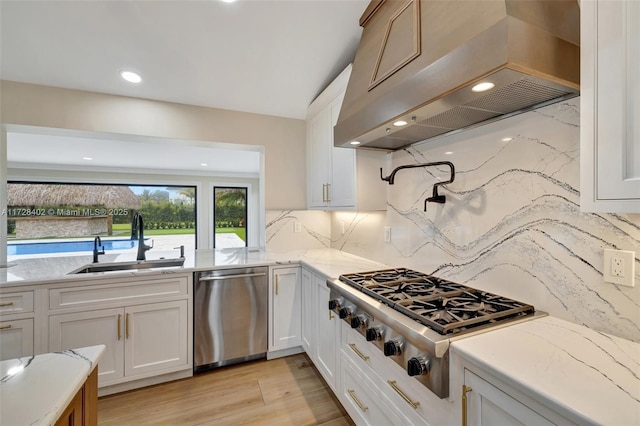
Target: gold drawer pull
{"type": "Point", "coordinates": [126, 326]}
{"type": "Point", "coordinates": [357, 351]}
{"type": "Point", "coordinates": [5, 327]}
{"type": "Point", "coordinates": [331, 316]}
{"type": "Point", "coordinates": [395, 387]}
{"type": "Point", "coordinates": [353, 396]}
{"type": "Point", "coordinates": [119, 323]}
{"type": "Point", "coordinates": [2, 305]}
{"type": "Point", "coordinates": [465, 390]}
{"type": "Point", "coordinates": [276, 284]}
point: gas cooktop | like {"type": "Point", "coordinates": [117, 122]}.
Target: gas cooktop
{"type": "Point", "coordinates": [444, 306]}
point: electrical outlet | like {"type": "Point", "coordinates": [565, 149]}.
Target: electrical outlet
{"type": "Point", "coordinates": [619, 267]}
{"type": "Point", "coordinates": [297, 227]}
{"type": "Point", "coordinates": [387, 234]}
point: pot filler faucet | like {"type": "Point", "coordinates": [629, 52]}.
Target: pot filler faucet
{"type": "Point", "coordinates": [137, 232]}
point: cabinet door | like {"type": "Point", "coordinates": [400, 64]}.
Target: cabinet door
{"type": "Point", "coordinates": [327, 337]}
{"type": "Point", "coordinates": [16, 339]}
{"type": "Point", "coordinates": [103, 327]}
{"type": "Point", "coordinates": [156, 337]}
{"type": "Point", "coordinates": [319, 157]}
{"type": "Point", "coordinates": [610, 105]}
{"type": "Point", "coordinates": [308, 319]}
{"type": "Point", "coordinates": [342, 188]}
{"type": "Point", "coordinates": [488, 405]}
{"type": "Point", "coordinates": [286, 308]}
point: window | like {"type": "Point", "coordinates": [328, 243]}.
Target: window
{"type": "Point", "coordinates": [46, 219]}
{"type": "Point", "coordinates": [230, 216]}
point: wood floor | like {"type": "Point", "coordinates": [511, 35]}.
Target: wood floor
{"type": "Point", "coordinates": [284, 391]}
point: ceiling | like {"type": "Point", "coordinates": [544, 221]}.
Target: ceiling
{"type": "Point", "coordinates": [27, 150]}
{"type": "Point", "coordinates": [262, 56]}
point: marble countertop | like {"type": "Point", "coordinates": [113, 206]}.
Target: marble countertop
{"type": "Point", "coordinates": [329, 262]}
{"type": "Point", "coordinates": [586, 376]}
{"type": "Point", "coordinates": [36, 390]}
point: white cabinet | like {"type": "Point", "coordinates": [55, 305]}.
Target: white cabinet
{"type": "Point", "coordinates": [307, 314]}
{"type": "Point", "coordinates": [145, 325]}
{"type": "Point", "coordinates": [16, 338]}
{"type": "Point", "coordinates": [488, 401]}
{"type": "Point", "coordinates": [334, 176]}
{"type": "Point", "coordinates": [610, 106]}
{"type": "Point", "coordinates": [327, 337]}
{"type": "Point", "coordinates": [320, 327]}
{"type": "Point", "coordinates": [285, 297]}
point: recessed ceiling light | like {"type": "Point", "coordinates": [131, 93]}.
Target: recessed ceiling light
{"type": "Point", "coordinates": [448, 153]}
{"type": "Point", "coordinates": [400, 123]}
{"type": "Point", "coordinates": [506, 139]}
{"type": "Point", "coordinates": [481, 87]}
{"type": "Point", "coordinates": [87, 158]}
{"type": "Point", "coordinates": [204, 164]}
{"type": "Point", "coordinates": [229, 1]}
{"type": "Point", "coordinates": [355, 142]}
{"type": "Point", "coordinates": [131, 76]}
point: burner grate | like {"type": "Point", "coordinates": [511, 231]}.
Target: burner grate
{"type": "Point", "coordinates": [445, 306]}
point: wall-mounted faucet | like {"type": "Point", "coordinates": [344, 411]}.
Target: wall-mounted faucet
{"type": "Point", "coordinates": [137, 232]}
{"type": "Point", "coordinates": [435, 198]}
{"type": "Point", "coordinates": [97, 242]}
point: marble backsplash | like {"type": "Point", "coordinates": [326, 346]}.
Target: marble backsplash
{"type": "Point", "coordinates": [511, 223]}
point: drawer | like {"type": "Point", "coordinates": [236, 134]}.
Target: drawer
{"type": "Point", "coordinates": [357, 349]}
{"type": "Point", "coordinates": [360, 399]}
{"type": "Point", "coordinates": [16, 303]}
{"type": "Point", "coordinates": [16, 339]}
{"type": "Point", "coordinates": [131, 292]}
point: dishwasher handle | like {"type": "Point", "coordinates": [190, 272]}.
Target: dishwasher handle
{"type": "Point", "coordinates": [226, 277]}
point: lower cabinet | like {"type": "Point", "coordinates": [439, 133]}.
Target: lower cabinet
{"type": "Point", "coordinates": [83, 409]}
{"type": "Point", "coordinates": [16, 338]}
{"type": "Point", "coordinates": [487, 401]}
{"type": "Point", "coordinates": [320, 327]}
{"type": "Point", "coordinates": [285, 313]}
{"type": "Point", "coordinates": [141, 340]}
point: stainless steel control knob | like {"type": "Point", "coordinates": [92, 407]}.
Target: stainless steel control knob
{"type": "Point", "coordinates": [358, 321]}
{"type": "Point", "coordinates": [345, 312]}
{"type": "Point", "coordinates": [393, 347]}
{"type": "Point", "coordinates": [373, 333]}
{"type": "Point", "coordinates": [418, 365]}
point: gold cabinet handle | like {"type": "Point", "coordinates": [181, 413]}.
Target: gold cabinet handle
{"type": "Point", "coordinates": [357, 351]}
{"type": "Point", "coordinates": [324, 192]}
{"type": "Point", "coordinates": [353, 396]}
{"type": "Point", "coordinates": [328, 198]}
{"type": "Point", "coordinates": [119, 324]}
{"type": "Point", "coordinates": [404, 396]}
{"type": "Point", "coordinates": [331, 315]}
{"type": "Point", "coordinates": [465, 390]}
{"type": "Point", "coordinates": [126, 326]}
{"type": "Point", "coordinates": [277, 284]}
{"type": "Point", "coordinates": [5, 327]}
{"type": "Point", "coordinates": [2, 305]}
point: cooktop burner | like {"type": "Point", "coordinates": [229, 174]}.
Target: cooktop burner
{"type": "Point", "coordinates": [444, 306]}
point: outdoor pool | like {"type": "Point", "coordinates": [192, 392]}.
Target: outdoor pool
{"type": "Point", "coordinates": [14, 249]}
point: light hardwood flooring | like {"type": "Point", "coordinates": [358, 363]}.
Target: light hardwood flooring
{"type": "Point", "coordinates": [283, 391]}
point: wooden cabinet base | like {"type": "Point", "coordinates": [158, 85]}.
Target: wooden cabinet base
{"type": "Point", "coordinates": [83, 409]}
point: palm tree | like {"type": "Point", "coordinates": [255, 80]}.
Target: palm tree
{"type": "Point", "coordinates": [189, 192]}
{"type": "Point", "coordinates": [231, 196]}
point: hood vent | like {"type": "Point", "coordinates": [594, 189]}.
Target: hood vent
{"type": "Point", "coordinates": [528, 49]}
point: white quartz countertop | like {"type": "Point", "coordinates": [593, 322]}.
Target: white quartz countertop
{"type": "Point", "coordinates": [586, 376]}
{"type": "Point", "coordinates": [329, 262]}
{"type": "Point", "coordinates": [36, 390]}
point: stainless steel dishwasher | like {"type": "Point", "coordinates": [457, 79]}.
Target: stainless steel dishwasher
{"type": "Point", "coordinates": [229, 316]}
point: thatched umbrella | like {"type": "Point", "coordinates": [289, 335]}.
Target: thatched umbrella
{"type": "Point", "coordinates": [29, 195]}
{"type": "Point", "coordinates": [41, 195]}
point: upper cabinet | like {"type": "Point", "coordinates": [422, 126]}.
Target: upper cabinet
{"type": "Point", "coordinates": [339, 178]}
{"type": "Point", "coordinates": [610, 106]}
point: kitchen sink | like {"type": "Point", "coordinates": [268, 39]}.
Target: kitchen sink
{"type": "Point", "coordinates": [128, 266]}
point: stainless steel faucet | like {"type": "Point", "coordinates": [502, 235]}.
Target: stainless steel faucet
{"type": "Point", "coordinates": [137, 232]}
{"type": "Point", "coordinates": [97, 243]}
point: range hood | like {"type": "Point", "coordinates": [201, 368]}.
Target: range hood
{"type": "Point", "coordinates": [418, 62]}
